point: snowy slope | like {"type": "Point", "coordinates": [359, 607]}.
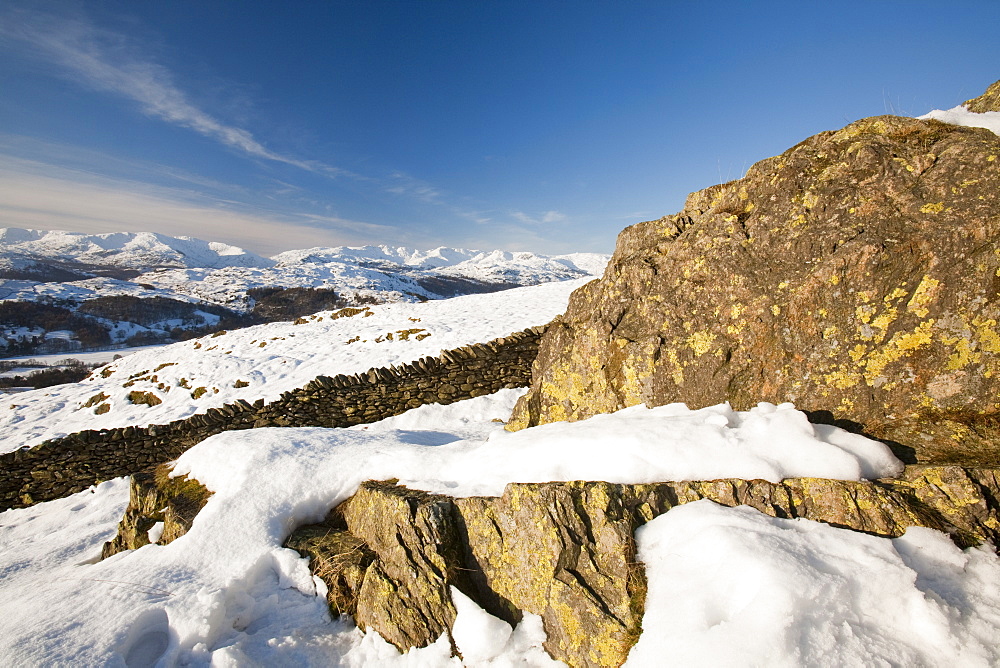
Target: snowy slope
{"type": "Point", "coordinates": [727, 586]}
{"type": "Point", "coordinates": [271, 359]}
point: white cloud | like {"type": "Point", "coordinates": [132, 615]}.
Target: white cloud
{"type": "Point", "coordinates": [404, 184]}
{"type": "Point", "coordinates": [544, 219]}
{"type": "Point", "coordinates": [112, 62]}
{"type": "Point", "coordinates": [106, 61]}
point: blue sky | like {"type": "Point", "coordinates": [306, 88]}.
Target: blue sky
{"type": "Point", "coordinates": [545, 126]}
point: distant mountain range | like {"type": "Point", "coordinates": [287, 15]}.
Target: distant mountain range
{"type": "Point", "coordinates": [146, 287]}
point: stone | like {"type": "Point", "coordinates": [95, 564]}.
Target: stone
{"type": "Point", "coordinates": [988, 101]}
{"type": "Point", "coordinates": [156, 497]}
{"type": "Point", "coordinates": [856, 275]}
{"type": "Point", "coordinates": [566, 550]}
{"type": "Point", "coordinates": [405, 593]}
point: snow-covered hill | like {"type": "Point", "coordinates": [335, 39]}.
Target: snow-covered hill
{"type": "Point", "coordinates": [380, 273]}
{"type": "Point", "coordinates": [38, 264]}
{"type": "Point", "coordinates": [265, 360]}
{"type": "Point", "coordinates": [69, 270]}
{"type": "Point", "coordinates": [128, 250]}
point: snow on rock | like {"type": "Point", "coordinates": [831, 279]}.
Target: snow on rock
{"type": "Point", "coordinates": [641, 445]}
{"type": "Point", "coordinates": [266, 360]}
{"type": "Point", "coordinates": [723, 582]}
{"type": "Point", "coordinates": [733, 587]}
{"type": "Point", "coordinates": [961, 116]}
{"type": "Point", "coordinates": [485, 640]}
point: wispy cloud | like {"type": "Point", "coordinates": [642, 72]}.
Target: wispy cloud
{"type": "Point", "coordinates": [404, 184]}
{"type": "Point", "coordinates": [107, 61]}
{"type": "Point", "coordinates": [118, 198]}
{"type": "Point", "coordinates": [545, 218]}
{"type": "Point", "coordinates": [41, 196]}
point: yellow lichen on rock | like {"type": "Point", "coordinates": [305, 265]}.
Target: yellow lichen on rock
{"type": "Point", "coordinates": [869, 288]}
{"type": "Point", "coordinates": [899, 346]}
{"type": "Point", "coordinates": [700, 342]}
{"type": "Point", "coordinates": [925, 293]}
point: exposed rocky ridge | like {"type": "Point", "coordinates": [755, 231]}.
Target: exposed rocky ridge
{"type": "Point", "coordinates": [561, 550]}
{"type": "Point", "coordinates": [856, 275]}
{"type": "Point", "coordinates": [988, 101]}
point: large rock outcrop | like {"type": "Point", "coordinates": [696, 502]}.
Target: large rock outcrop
{"type": "Point", "coordinates": [988, 101]}
{"type": "Point", "coordinates": [856, 274]}
{"type": "Point", "coordinates": [157, 499]}
{"type": "Point", "coordinates": [565, 550]}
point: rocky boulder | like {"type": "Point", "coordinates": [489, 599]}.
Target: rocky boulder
{"type": "Point", "coordinates": [856, 275]}
{"type": "Point", "coordinates": [566, 551]}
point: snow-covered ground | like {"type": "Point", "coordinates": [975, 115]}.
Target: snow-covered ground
{"type": "Point", "coordinates": [94, 357]}
{"type": "Point", "coordinates": [727, 586]}
{"type": "Point", "coordinates": [266, 360]}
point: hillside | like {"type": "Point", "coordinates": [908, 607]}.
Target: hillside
{"type": "Point", "coordinates": [262, 361]}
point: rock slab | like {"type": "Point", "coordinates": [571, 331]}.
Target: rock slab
{"type": "Point", "coordinates": [566, 550]}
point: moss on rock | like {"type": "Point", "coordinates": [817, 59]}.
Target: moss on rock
{"type": "Point", "coordinates": [156, 497]}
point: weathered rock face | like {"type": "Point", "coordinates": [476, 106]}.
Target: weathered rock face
{"type": "Point", "coordinates": [156, 497]}
{"type": "Point", "coordinates": [856, 275]}
{"type": "Point", "coordinates": [988, 101]}
{"type": "Point", "coordinates": [565, 551]}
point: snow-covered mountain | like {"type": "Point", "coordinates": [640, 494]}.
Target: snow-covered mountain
{"type": "Point", "coordinates": [190, 280]}
{"type": "Point", "coordinates": [127, 250]}
{"type": "Point", "coordinates": [37, 265]}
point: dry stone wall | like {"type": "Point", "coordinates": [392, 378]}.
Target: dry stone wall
{"type": "Point", "coordinates": [70, 464]}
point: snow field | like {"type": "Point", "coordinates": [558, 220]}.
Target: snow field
{"type": "Point", "coordinates": [734, 587]}
{"type": "Point", "coordinates": [227, 593]}
{"type": "Point", "coordinates": [267, 360]}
